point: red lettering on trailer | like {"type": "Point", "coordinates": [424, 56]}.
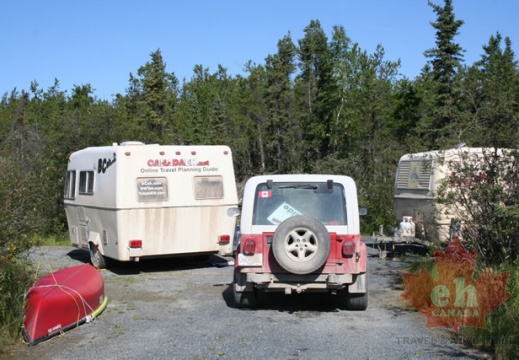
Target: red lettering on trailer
{"type": "Point", "coordinates": [176, 162]}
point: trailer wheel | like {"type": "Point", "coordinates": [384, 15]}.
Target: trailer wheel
{"type": "Point", "coordinates": [301, 244]}
{"type": "Point", "coordinates": [96, 258]}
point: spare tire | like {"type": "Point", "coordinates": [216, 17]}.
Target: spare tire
{"type": "Point", "coordinates": [301, 244]}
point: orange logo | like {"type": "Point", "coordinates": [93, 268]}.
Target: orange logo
{"type": "Point", "coordinates": [455, 298]}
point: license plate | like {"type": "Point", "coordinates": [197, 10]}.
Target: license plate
{"type": "Point", "coordinates": [250, 260]}
{"type": "Point", "coordinates": [137, 252]}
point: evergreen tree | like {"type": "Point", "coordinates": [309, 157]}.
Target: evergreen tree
{"type": "Point", "coordinates": [249, 148]}
{"type": "Point", "coordinates": [156, 92]}
{"type": "Point", "coordinates": [221, 108]}
{"type": "Point", "coordinates": [343, 54]}
{"type": "Point", "coordinates": [496, 90]}
{"type": "Point", "coordinates": [447, 55]}
{"type": "Point", "coordinates": [446, 59]}
{"type": "Point", "coordinates": [406, 100]}
{"type": "Point", "coordinates": [316, 87]}
{"type": "Point", "coordinates": [282, 128]}
{"type": "Point", "coordinates": [196, 108]}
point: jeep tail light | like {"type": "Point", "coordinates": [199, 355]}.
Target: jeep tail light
{"type": "Point", "coordinates": [135, 244]}
{"type": "Point", "coordinates": [224, 239]}
{"type": "Point", "coordinates": [348, 248]}
{"type": "Point", "coordinates": [249, 247]}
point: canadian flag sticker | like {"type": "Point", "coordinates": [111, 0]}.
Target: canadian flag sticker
{"type": "Point", "coordinates": [264, 194]}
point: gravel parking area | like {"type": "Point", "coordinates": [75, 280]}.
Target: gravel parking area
{"type": "Point", "coordinates": [182, 309]}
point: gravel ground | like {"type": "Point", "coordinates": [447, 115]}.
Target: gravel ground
{"type": "Point", "coordinates": [182, 309]}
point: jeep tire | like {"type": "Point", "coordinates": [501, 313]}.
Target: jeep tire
{"type": "Point", "coordinates": [353, 301]}
{"type": "Point", "coordinates": [357, 301]}
{"type": "Point", "coordinates": [245, 299]}
{"type": "Point", "coordinates": [301, 244]}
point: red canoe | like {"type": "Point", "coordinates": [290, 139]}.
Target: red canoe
{"type": "Point", "coordinates": [63, 300]}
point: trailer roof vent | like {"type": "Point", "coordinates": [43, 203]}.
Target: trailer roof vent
{"type": "Point", "coordinates": [129, 143]}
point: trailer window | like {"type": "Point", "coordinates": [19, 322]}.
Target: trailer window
{"type": "Point", "coordinates": [70, 185]}
{"type": "Point", "coordinates": [86, 182]}
{"type": "Point", "coordinates": [208, 187]}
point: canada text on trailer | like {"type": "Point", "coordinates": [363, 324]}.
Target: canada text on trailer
{"type": "Point", "coordinates": [133, 200]}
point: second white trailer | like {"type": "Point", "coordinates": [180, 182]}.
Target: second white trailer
{"type": "Point", "coordinates": [418, 180]}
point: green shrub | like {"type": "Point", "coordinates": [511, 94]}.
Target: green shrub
{"type": "Point", "coordinates": [16, 277]}
{"type": "Point", "coordinates": [484, 196]}
{"type": "Point", "coordinates": [20, 218]}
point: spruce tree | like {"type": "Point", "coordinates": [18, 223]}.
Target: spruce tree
{"type": "Point", "coordinates": [446, 59]}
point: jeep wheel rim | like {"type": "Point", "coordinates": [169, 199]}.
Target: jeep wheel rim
{"type": "Point", "coordinates": [301, 245]}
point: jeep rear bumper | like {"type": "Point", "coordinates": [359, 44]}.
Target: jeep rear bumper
{"type": "Point", "coordinates": [356, 283]}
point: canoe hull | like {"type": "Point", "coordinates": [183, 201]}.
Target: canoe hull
{"type": "Point", "coordinates": [63, 300]}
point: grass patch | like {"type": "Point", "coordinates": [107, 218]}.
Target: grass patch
{"type": "Point", "coordinates": [428, 264]}
{"type": "Point", "coordinates": [54, 240]}
{"type": "Point", "coordinates": [501, 335]}
{"type": "Point", "coordinates": [130, 280]}
{"type": "Point", "coordinates": [117, 331]}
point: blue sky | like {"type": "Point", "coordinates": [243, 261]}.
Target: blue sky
{"type": "Point", "coordinates": [100, 42]}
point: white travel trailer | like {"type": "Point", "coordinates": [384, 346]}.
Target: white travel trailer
{"type": "Point", "coordinates": [417, 182]}
{"type": "Point", "coordinates": [133, 200]}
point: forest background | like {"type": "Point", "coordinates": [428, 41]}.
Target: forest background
{"type": "Point", "coordinates": [321, 104]}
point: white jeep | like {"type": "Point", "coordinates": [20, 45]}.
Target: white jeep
{"type": "Point", "coordinates": [301, 233]}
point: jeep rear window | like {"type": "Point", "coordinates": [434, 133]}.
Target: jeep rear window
{"type": "Point", "coordinates": [273, 206]}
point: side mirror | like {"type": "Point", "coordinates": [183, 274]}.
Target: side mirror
{"type": "Point", "coordinates": [363, 211]}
